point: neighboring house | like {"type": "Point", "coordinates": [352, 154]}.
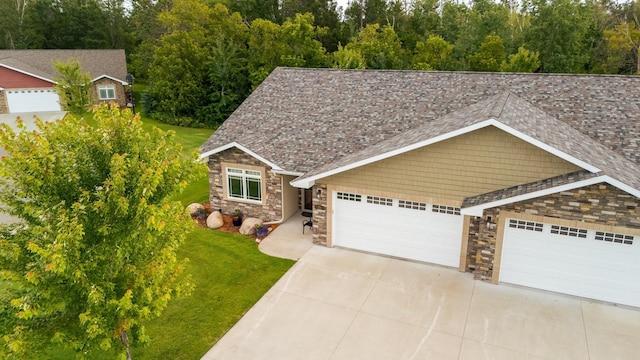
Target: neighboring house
{"type": "Point", "coordinates": [529, 179]}
{"type": "Point", "coordinates": [27, 77]}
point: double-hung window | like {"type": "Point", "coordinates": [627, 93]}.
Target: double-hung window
{"type": "Point", "coordinates": [107, 92]}
{"type": "Point", "coordinates": [244, 184]}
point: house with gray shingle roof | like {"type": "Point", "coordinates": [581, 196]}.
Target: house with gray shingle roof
{"type": "Point", "coordinates": [528, 179]}
{"type": "Point", "coordinates": [27, 77]}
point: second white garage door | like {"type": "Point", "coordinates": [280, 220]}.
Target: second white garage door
{"type": "Point", "coordinates": [406, 229]}
{"type": "Point", "coordinates": [594, 264]}
{"type": "Point", "coordinates": [34, 100]}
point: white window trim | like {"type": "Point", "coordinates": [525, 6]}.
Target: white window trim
{"type": "Point", "coordinates": [243, 168]}
{"type": "Point", "coordinates": [106, 88]}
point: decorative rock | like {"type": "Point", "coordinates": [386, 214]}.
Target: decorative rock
{"type": "Point", "coordinates": [215, 220]}
{"type": "Point", "coordinates": [249, 226]}
{"type": "Point", "coordinates": [192, 209]}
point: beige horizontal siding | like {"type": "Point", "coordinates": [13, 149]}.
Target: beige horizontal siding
{"type": "Point", "coordinates": [484, 160]}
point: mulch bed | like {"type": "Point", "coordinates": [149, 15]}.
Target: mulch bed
{"type": "Point", "coordinates": [228, 224]}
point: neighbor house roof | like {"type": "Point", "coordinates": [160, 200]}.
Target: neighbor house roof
{"type": "Point", "coordinates": [318, 121]}
{"type": "Point", "coordinates": [99, 63]}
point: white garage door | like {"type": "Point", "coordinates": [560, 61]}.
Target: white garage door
{"type": "Point", "coordinates": [406, 229]}
{"type": "Point", "coordinates": [32, 100]}
{"type": "Point", "coordinates": [594, 264]}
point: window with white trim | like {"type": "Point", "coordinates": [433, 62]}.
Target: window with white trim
{"type": "Point", "coordinates": [614, 238]}
{"type": "Point", "coordinates": [379, 200]}
{"type": "Point", "coordinates": [569, 231]}
{"type": "Point", "coordinates": [444, 209]}
{"type": "Point", "coordinates": [349, 196]}
{"type": "Point", "coordinates": [244, 184]}
{"type": "Point", "coordinates": [525, 225]}
{"type": "Point", "coordinates": [414, 205]}
{"type": "Point", "coordinates": [107, 92]}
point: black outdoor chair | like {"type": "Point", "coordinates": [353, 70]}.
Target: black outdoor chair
{"type": "Point", "coordinates": [309, 222]}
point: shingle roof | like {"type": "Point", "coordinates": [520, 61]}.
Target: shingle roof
{"type": "Point", "coordinates": [527, 188]}
{"type": "Point", "coordinates": [311, 120]}
{"type": "Point", "coordinates": [17, 64]}
{"type": "Point", "coordinates": [111, 63]}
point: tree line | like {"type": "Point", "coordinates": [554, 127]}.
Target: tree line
{"type": "Point", "coordinates": [201, 59]}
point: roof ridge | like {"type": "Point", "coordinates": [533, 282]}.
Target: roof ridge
{"type": "Point", "coordinates": [500, 103]}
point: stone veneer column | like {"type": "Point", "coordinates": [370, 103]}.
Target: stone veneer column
{"type": "Point", "coordinates": [320, 214]}
{"type": "Point", "coordinates": [4, 108]}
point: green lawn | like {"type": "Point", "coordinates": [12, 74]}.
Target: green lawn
{"type": "Point", "coordinates": [229, 272]}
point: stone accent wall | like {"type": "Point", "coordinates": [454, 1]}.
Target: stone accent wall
{"type": "Point", "coordinates": [269, 210]}
{"type": "Point", "coordinates": [4, 108]}
{"type": "Point", "coordinates": [120, 99]}
{"type": "Point", "coordinates": [320, 215]}
{"type": "Point", "coordinates": [601, 204]}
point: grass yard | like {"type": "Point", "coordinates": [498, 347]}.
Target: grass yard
{"type": "Point", "coordinates": [229, 272]}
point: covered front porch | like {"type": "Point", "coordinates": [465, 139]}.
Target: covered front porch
{"type": "Point", "coordinates": [287, 240]}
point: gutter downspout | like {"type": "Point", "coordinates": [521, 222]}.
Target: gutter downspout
{"type": "Point", "coordinates": [281, 202]}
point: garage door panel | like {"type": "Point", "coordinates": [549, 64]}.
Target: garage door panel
{"type": "Point", "coordinates": [392, 230]}
{"type": "Point", "coordinates": [32, 100]}
{"type": "Point", "coordinates": [581, 266]}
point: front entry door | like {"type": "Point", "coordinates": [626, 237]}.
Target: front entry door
{"type": "Point", "coordinates": [308, 199]}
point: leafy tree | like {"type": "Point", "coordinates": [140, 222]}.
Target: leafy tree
{"type": "Point", "coordinates": [146, 30]}
{"type": "Point", "coordinates": [623, 43]}
{"type": "Point", "coordinates": [95, 252]}
{"type": "Point", "coordinates": [380, 47]}
{"type": "Point", "coordinates": [13, 32]}
{"type": "Point", "coordinates": [557, 32]}
{"type": "Point", "coordinates": [73, 86]}
{"type": "Point", "coordinates": [432, 54]}
{"type": "Point", "coordinates": [181, 84]}
{"type": "Point", "coordinates": [348, 59]}
{"type": "Point", "coordinates": [228, 76]}
{"type": "Point", "coordinates": [292, 44]}
{"type": "Point", "coordinates": [522, 61]}
{"type": "Point", "coordinates": [70, 24]}
{"type": "Point", "coordinates": [490, 56]}
{"type": "Point", "coordinates": [256, 9]}
{"type": "Point", "coordinates": [325, 15]}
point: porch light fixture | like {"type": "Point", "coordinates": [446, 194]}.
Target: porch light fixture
{"type": "Point", "coordinates": [130, 80]}
{"type": "Point", "coordinates": [318, 193]}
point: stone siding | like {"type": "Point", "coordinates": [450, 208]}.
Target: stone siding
{"type": "Point", "coordinates": [320, 215]}
{"type": "Point", "coordinates": [601, 204]}
{"type": "Point", "coordinates": [271, 207]}
{"type": "Point", "coordinates": [4, 108]}
{"type": "Point", "coordinates": [120, 99]}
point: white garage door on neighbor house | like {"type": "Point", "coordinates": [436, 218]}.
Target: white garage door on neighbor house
{"type": "Point", "coordinates": [396, 227]}
{"type": "Point", "coordinates": [32, 100]}
{"type": "Point", "coordinates": [601, 265]}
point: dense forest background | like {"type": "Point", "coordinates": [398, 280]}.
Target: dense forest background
{"type": "Point", "coordinates": [201, 59]}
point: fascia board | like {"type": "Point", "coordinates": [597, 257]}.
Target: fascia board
{"type": "Point", "coordinates": [273, 166]}
{"type": "Point", "coordinates": [477, 210]}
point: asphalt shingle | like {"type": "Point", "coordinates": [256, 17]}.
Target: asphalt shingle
{"type": "Point", "coordinates": [40, 62]}
{"type": "Point", "coordinates": [311, 120]}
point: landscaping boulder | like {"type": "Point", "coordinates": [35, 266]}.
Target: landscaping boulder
{"type": "Point", "coordinates": [192, 209]}
{"type": "Point", "coordinates": [215, 220]}
{"type": "Point", "coordinates": [249, 226]}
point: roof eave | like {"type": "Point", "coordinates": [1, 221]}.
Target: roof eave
{"type": "Point", "coordinates": [274, 167]}
{"type": "Point", "coordinates": [110, 77]}
{"type": "Point", "coordinates": [478, 210]}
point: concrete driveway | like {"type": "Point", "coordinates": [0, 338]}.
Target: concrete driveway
{"type": "Point", "coordinates": [28, 117]}
{"type": "Point", "coordinates": [341, 304]}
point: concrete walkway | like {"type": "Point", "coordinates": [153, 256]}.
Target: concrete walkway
{"type": "Point", "coordinates": [336, 304]}
{"type": "Point", "coordinates": [287, 240]}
